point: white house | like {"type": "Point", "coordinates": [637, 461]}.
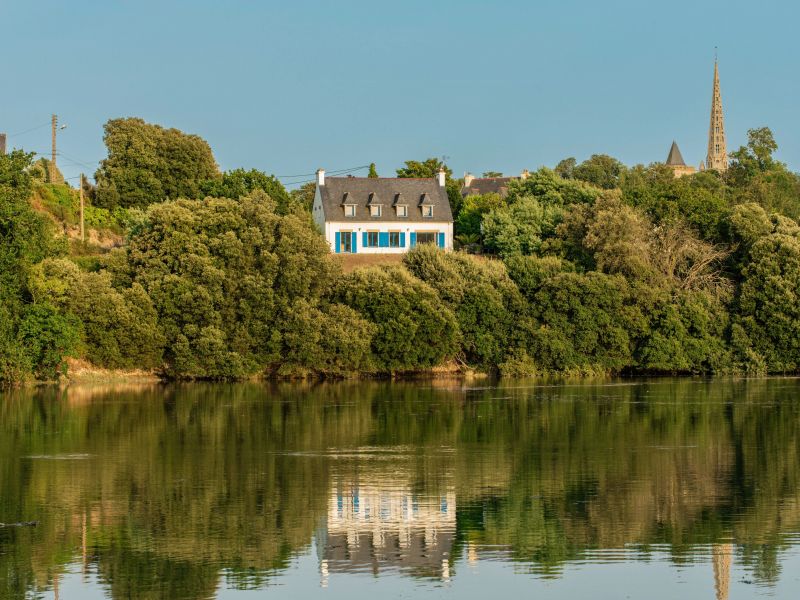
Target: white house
{"type": "Point", "coordinates": [362, 215]}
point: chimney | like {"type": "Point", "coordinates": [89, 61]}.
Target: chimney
{"type": "Point", "coordinates": [468, 177]}
{"type": "Point", "coordinates": [524, 174]}
{"type": "Point", "coordinates": [2, 143]}
{"type": "Point", "coordinates": [440, 176]}
{"type": "Point", "coordinates": [320, 177]}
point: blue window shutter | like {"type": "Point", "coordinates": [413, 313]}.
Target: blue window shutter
{"type": "Point", "coordinates": [364, 242]}
{"type": "Point", "coordinates": [441, 240]}
{"type": "Point", "coordinates": [383, 239]}
{"type": "Point", "coordinates": [337, 242]}
{"type": "Point", "coordinates": [402, 239]}
{"type": "Point", "coordinates": [354, 242]}
{"type": "Point", "coordinates": [413, 238]}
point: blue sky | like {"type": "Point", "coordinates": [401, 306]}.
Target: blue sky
{"type": "Point", "coordinates": [294, 85]}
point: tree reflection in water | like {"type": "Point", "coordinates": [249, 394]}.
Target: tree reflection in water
{"type": "Point", "coordinates": [174, 491]}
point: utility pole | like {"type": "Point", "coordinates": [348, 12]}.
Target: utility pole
{"type": "Point", "coordinates": [53, 126]}
{"type": "Point", "coordinates": [2, 144]}
{"type": "Point", "coordinates": [80, 187]}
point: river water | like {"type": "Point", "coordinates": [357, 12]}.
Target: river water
{"type": "Point", "coordinates": [625, 489]}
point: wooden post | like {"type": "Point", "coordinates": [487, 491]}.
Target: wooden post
{"type": "Point", "coordinates": [80, 187]}
{"type": "Point", "coordinates": [53, 126]}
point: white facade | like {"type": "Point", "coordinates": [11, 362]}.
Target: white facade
{"type": "Point", "coordinates": [441, 231]}
{"type": "Point", "coordinates": [389, 237]}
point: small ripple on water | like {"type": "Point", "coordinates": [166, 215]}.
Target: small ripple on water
{"type": "Point", "coordinates": [59, 456]}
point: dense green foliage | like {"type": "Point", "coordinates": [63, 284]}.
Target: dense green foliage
{"type": "Point", "coordinates": [239, 183]}
{"type": "Point", "coordinates": [593, 267]}
{"type": "Point", "coordinates": [414, 329]}
{"type": "Point", "coordinates": [225, 278]}
{"type": "Point", "coordinates": [148, 163]}
{"type": "Point", "coordinates": [34, 337]}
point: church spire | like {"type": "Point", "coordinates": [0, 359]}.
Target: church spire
{"type": "Point", "coordinates": [717, 148]}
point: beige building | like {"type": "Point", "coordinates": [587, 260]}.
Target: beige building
{"type": "Point", "coordinates": [717, 156]}
{"type": "Point", "coordinates": [676, 163]}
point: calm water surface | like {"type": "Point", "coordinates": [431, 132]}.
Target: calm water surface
{"type": "Point", "coordinates": [656, 489]}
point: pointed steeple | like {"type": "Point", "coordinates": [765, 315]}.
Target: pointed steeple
{"type": "Point", "coordinates": [717, 148]}
{"type": "Point", "coordinates": [675, 159]}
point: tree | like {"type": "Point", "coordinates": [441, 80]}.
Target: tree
{"type": "Point", "coordinates": [302, 198]}
{"type": "Point", "coordinates": [473, 208]}
{"type": "Point", "coordinates": [755, 157]}
{"type": "Point", "coordinates": [223, 276]}
{"type": "Point", "coordinates": [239, 183]}
{"type": "Point", "coordinates": [430, 168]}
{"type": "Point", "coordinates": [425, 169]}
{"type": "Point", "coordinates": [413, 329]}
{"type": "Point", "coordinates": [486, 302]}
{"type": "Point", "coordinates": [600, 170]}
{"type": "Point", "coordinates": [119, 328]}
{"type": "Point", "coordinates": [520, 228]}
{"type": "Point", "coordinates": [373, 173]}
{"type": "Point", "coordinates": [566, 167]}
{"type": "Point", "coordinates": [756, 176]}
{"type": "Point", "coordinates": [768, 305]}
{"type": "Point", "coordinates": [147, 164]}
{"type": "Point", "coordinates": [34, 337]}
{"type": "Point", "coordinates": [492, 174]}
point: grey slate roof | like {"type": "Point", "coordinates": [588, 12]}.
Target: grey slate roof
{"type": "Point", "coordinates": [675, 159]}
{"type": "Point", "coordinates": [487, 185]}
{"type": "Point", "coordinates": [364, 192]}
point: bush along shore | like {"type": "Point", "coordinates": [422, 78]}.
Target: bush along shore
{"type": "Point", "coordinates": [647, 274]}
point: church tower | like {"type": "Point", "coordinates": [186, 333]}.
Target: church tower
{"type": "Point", "coordinates": [717, 148]}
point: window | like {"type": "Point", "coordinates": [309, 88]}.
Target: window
{"type": "Point", "coordinates": [372, 239]}
{"type": "Point", "coordinates": [349, 210]}
{"type": "Point", "coordinates": [346, 242]}
{"type": "Point", "coordinates": [394, 239]}
{"type": "Point", "coordinates": [375, 211]}
{"type": "Point", "coordinates": [402, 211]}
{"type": "Point", "coordinates": [426, 237]}
{"type": "Point", "coordinates": [427, 211]}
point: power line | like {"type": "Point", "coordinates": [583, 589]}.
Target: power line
{"type": "Point", "coordinates": [338, 172]}
{"type": "Point", "coordinates": [29, 130]}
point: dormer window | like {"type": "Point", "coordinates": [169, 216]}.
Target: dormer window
{"type": "Point", "coordinates": [374, 205]}
{"type": "Point", "coordinates": [427, 211]}
{"type": "Point", "coordinates": [349, 210]}
{"type": "Point", "coordinates": [402, 210]}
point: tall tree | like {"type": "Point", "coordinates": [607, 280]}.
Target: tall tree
{"type": "Point", "coordinates": [148, 163]}
{"type": "Point", "coordinates": [373, 172]}
{"type": "Point", "coordinates": [601, 170]}
{"type": "Point", "coordinates": [566, 167]}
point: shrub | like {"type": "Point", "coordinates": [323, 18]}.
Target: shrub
{"type": "Point", "coordinates": [486, 302]}
{"type": "Point", "coordinates": [413, 327]}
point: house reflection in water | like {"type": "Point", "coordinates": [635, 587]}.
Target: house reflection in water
{"type": "Point", "coordinates": [374, 527]}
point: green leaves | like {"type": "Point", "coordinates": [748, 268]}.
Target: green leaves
{"type": "Point", "coordinates": [147, 164]}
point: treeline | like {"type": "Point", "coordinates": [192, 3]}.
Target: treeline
{"type": "Point", "coordinates": [590, 269]}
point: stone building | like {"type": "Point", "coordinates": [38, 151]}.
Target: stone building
{"type": "Point", "coordinates": [676, 163]}
{"type": "Point", "coordinates": [717, 156]}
